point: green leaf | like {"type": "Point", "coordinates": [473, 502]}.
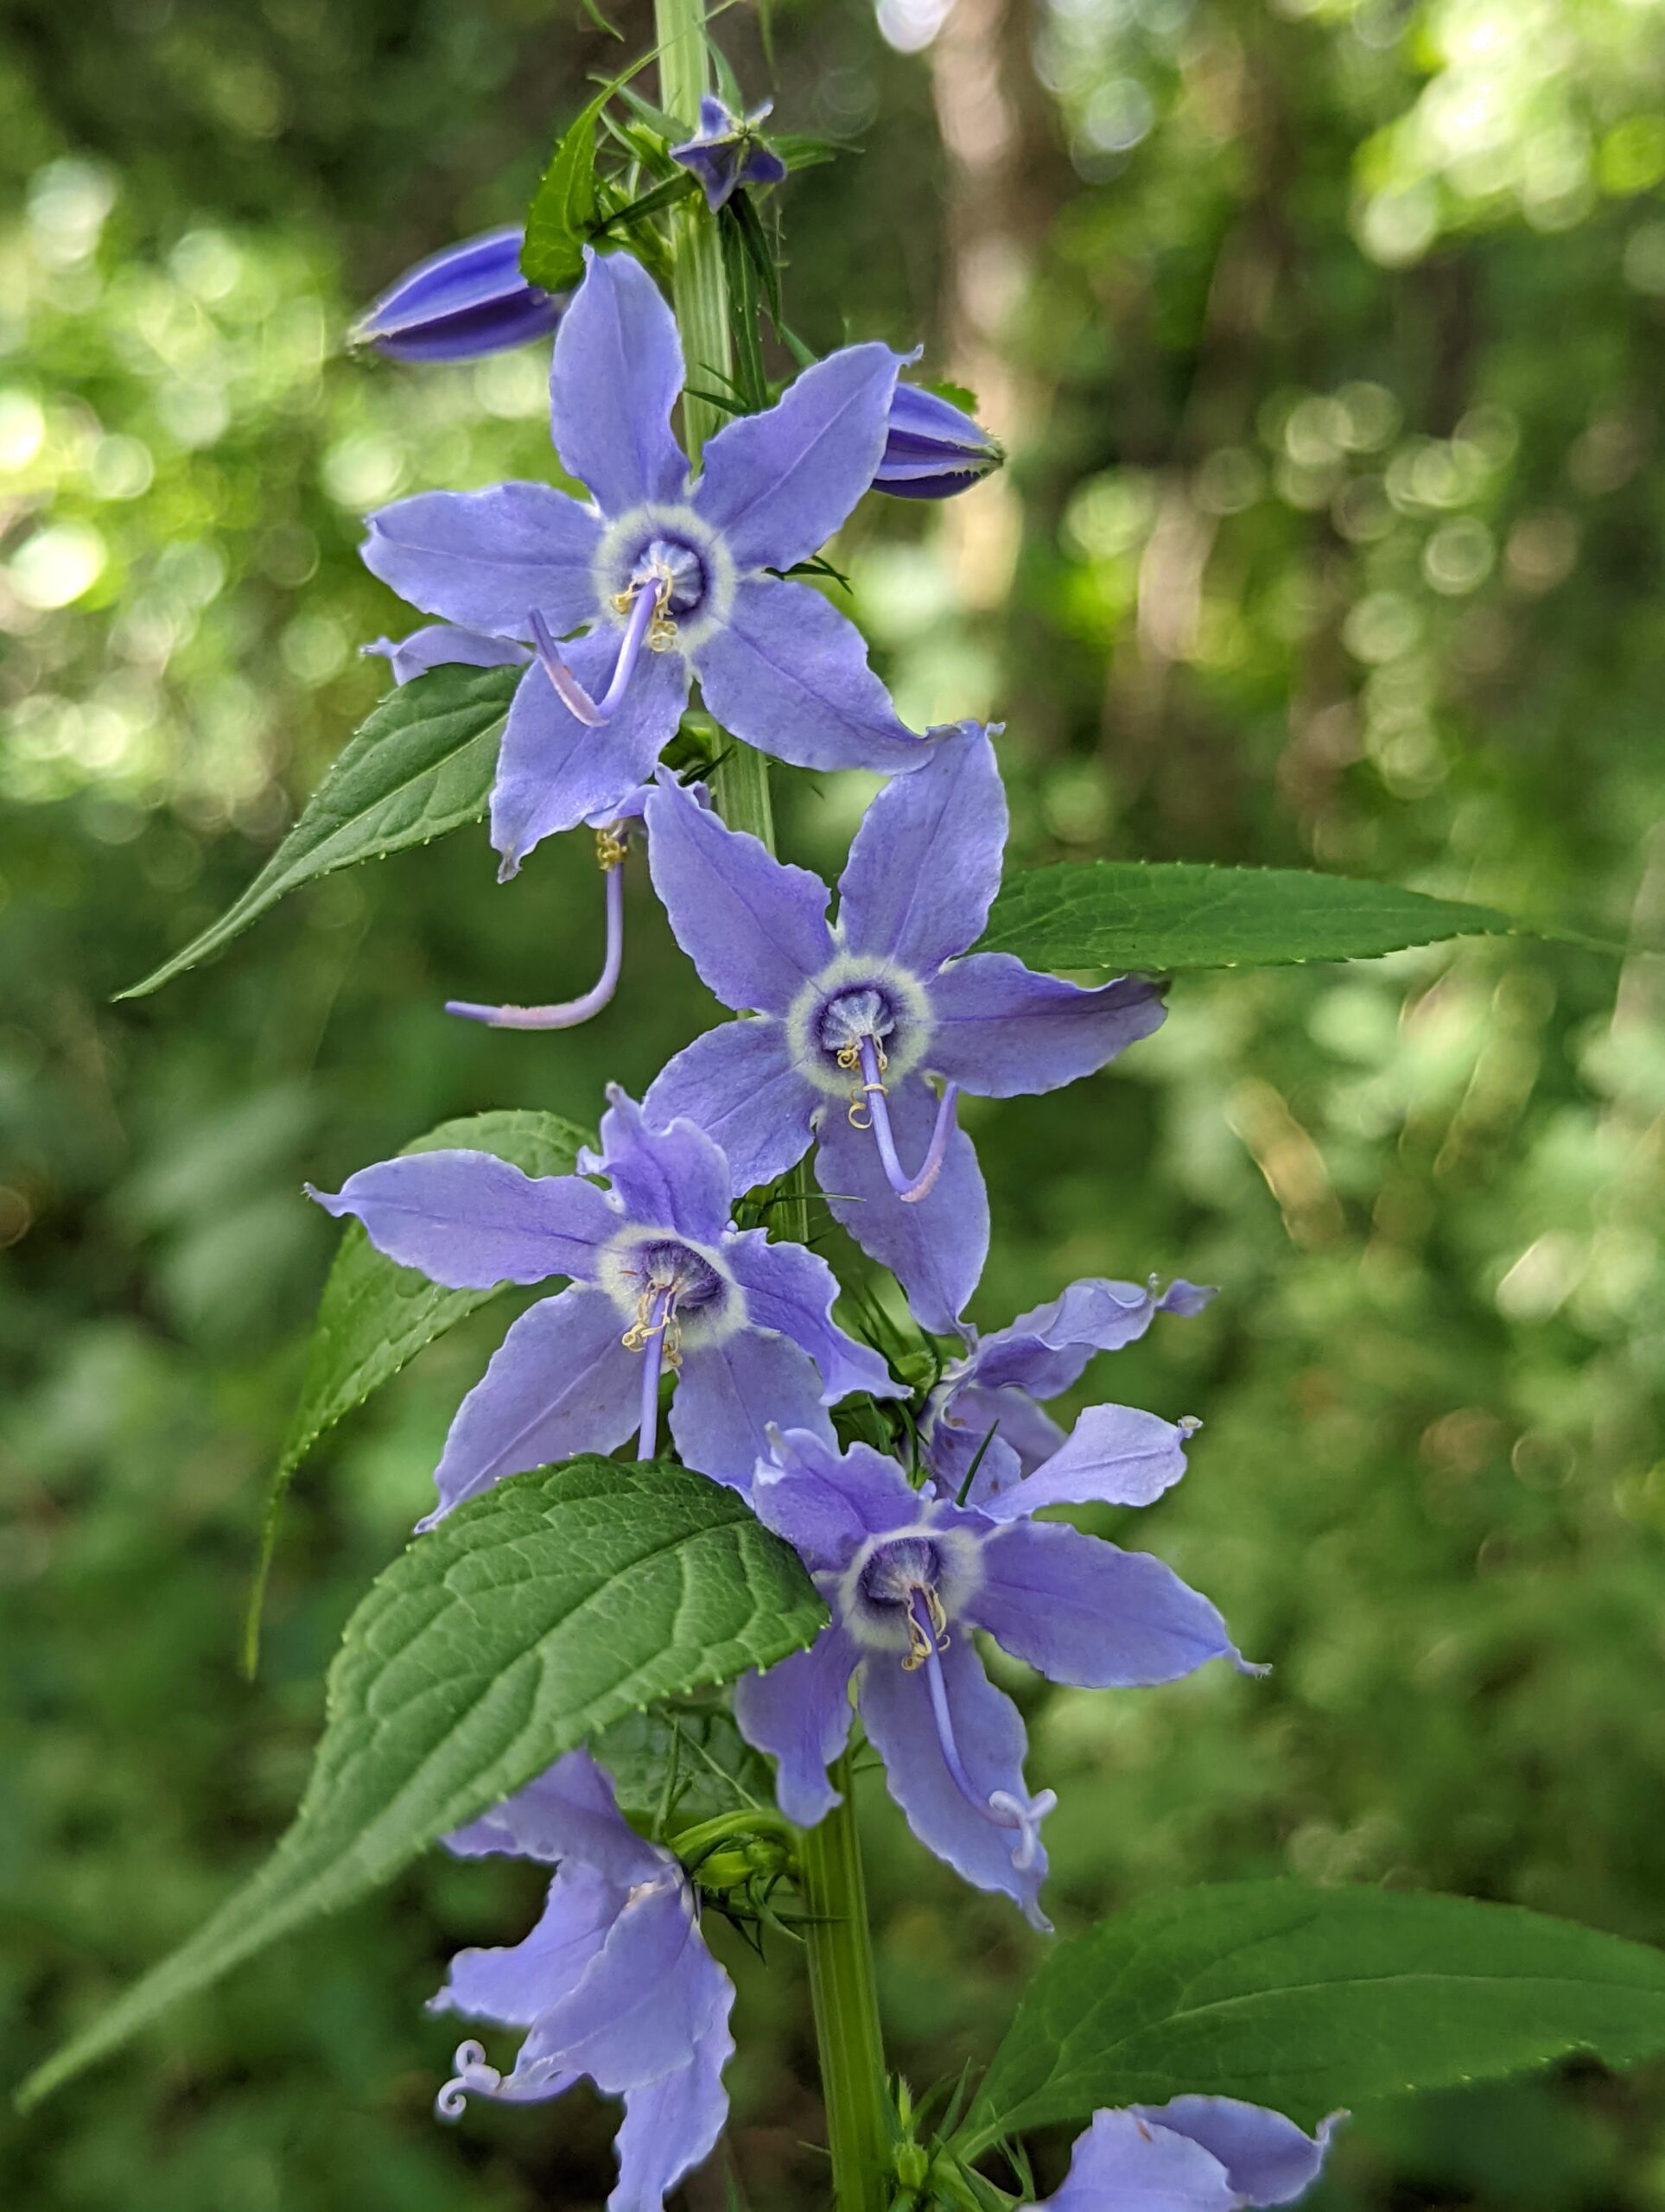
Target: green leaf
{"type": "Point", "coordinates": [744, 303]}
{"type": "Point", "coordinates": [680, 1764]}
{"type": "Point", "coordinates": [530, 1619]}
{"type": "Point", "coordinates": [1306, 1998]}
{"type": "Point", "coordinates": [422, 764]}
{"type": "Point", "coordinates": [564, 207]}
{"type": "Point", "coordinates": [799, 151]}
{"type": "Point", "coordinates": [1149, 918]}
{"type": "Point", "coordinates": [374, 1315]}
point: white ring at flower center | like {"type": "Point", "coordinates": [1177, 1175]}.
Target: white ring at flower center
{"type": "Point", "coordinates": [873, 1626]}
{"type": "Point", "coordinates": [904, 1049]}
{"type": "Point", "coordinates": [628, 538]}
{"type": "Point", "coordinates": [619, 1273]}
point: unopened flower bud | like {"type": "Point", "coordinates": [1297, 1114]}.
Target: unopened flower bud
{"type": "Point", "coordinates": [932, 448]}
{"type": "Point", "coordinates": [470, 301]}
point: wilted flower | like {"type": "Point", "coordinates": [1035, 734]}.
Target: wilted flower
{"type": "Point", "coordinates": [1195, 2154]}
{"type": "Point", "coordinates": [615, 1982]}
{"type": "Point", "coordinates": [725, 152]}
{"type": "Point", "coordinates": [856, 1016]}
{"type": "Point", "coordinates": [660, 1279]}
{"type": "Point", "coordinates": [908, 1576]}
{"type": "Point", "coordinates": [469, 300]}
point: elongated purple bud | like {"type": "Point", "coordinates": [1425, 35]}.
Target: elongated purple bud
{"type": "Point", "coordinates": [460, 305]}
{"type": "Point", "coordinates": [932, 448]}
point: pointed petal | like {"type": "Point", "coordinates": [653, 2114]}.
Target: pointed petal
{"type": "Point", "coordinates": [554, 772]}
{"type": "Point", "coordinates": [442, 645]}
{"type": "Point", "coordinates": [469, 1219]}
{"type": "Point", "coordinates": [755, 928]}
{"type": "Point", "coordinates": [1123, 2164]}
{"type": "Point", "coordinates": [777, 485]}
{"type": "Point", "coordinates": [1267, 2159]}
{"type": "Point", "coordinates": [514, 1983]}
{"type": "Point", "coordinates": [738, 1084]}
{"type": "Point", "coordinates": [895, 1711]}
{"type": "Point", "coordinates": [560, 1382]}
{"type": "Point", "coordinates": [967, 1414]}
{"type": "Point", "coordinates": [800, 1714]}
{"type": "Point", "coordinates": [1046, 1349]}
{"type": "Point", "coordinates": [792, 1289]}
{"type": "Point", "coordinates": [958, 1456]}
{"type": "Point", "coordinates": [724, 1394]}
{"type": "Point", "coordinates": [925, 864]}
{"type": "Point", "coordinates": [569, 1811]}
{"type": "Point", "coordinates": [1082, 1611]}
{"type": "Point", "coordinates": [1003, 1032]}
{"type": "Point", "coordinates": [1114, 1455]}
{"type": "Point", "coordinates": [673, 1178]}
{"type": "Point", "coordinates": [650, 1996]}
{"type": "Point", "coordinates": [484, 559]}
{"type": "Point", "coordinates": [788, 673]}
{"type": "Point", "coordinates": [615, 377]}
{"type": "Point", "coordinates": [671, 2124]}
{"type": "Point", "coordinates": [825, 1504]}
{"type": "Point", "coordinates": [935, 1250]}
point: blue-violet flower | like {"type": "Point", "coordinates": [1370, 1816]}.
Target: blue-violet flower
{"type": "Point", "coordinates": [1195, 2154]}
{"type": "Point", "coordinates": [907, 1576]}
{"type": "Point", "coordinates": [932, 448]}
{"type": "Point", "coordinates": [660, 1279]}
{"type": "Point", "coordinates": [665, 581]}
{"type": "Point", "coordinates": [725, 152]}
{"type": "Point", "coordinates": [615, 1982]}
{"type": "Point", "coordinates": [457, 305]}
{"type": "Point", "coordinates": [856, 1016]}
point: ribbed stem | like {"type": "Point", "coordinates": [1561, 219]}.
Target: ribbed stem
{"type": "Point", "coordinates": [845, 2001]}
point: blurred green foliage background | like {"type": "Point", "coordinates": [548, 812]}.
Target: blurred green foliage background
{"type": "Point", "coordinates": [1326, 336]}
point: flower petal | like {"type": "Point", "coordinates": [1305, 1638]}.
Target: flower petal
{"type": "Point", "coordinates": [513, 1983]}
{"type": "Point", "coordinates": [895, 1710]}
{"type": "Point", "coordinates": [926, 863]}
{"type": "Point", "coordinates": [755, 929]}
{"type": "Point", "coordinates": [737, 1082]}
{"type": "Point", "coordinates": [560, 1382]}
{"type": "Point", "coordinates": [1082, 1611]}
{"type": "Point", "coordinates": [725, 1394]}
{"type": "Point", "coordinates": [1046, 1349]}
{"type": "Point", "coordinates": [671, 2124]}
{"type": "Point", "coordinates": [567, 1812]}
{"type": "Point", "coordinates": [970, 1412]}
{"type": "Point", "coordinates": [615, 377]}
{"type": "Point", "coordinates": [555, 772]}
{"type": "Point", "coordinates": [442, 645]}
{"type": "Point", "coordinates": [935, 1249]}
{"type": "Point", "coordinates": [1123, 2164]}
{"type": "Point", "coordinates": [777, 485]}
{"type": "Point", "coordinates": [468, 1219]}
{"type": "Point", "coordinates": [1114, 1455]}
{"type": "Point", "coordinates": [827, 1504]}
{"type": "Point", "coordinates": [673, 1178]}
{"type": "Point", "coordinates": [800, 1714]}
{"type": "Point", "coordinates": [1003, 1032]}
{"type": "Point", "coordinates": [651, 1994]}
{"type": "Point", "coordinates": [792, 1289]}
{"type": "Point", "coordinates": [788, 673]}
{"type": "Point", "coordinates": [1268, 2160]}
{"type": "Point", "coordinates": [485, 559]}
{"type": "Point", "coordinates": [470, 300]}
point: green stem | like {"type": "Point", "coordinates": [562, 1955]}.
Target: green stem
{"type": "Point", "coordinates": [845, 2001]}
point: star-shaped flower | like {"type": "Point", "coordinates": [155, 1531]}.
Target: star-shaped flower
{"type": "Point", "coordinates": [857, 1015]}
{"type": "Point", "coordinates": [908, 1576]}
{"type": "Point", "coordinates": [660, 1278]}
{"type": "Point", "coordinates": [615, 1982]}
{"type": "Point", "coordinates": [665, 581]}
{"type": "Point", "coordinates": [727, 152]}
{"type": "Point", "coordinates": [1193, 2154]}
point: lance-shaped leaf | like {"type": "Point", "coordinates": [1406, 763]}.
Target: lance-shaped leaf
{"type": "Point", "coordinates": [565, 207]}
{"type": "Point", "coordinates": [1307, 2000]}
{"type": "Point", "coordinates": [422, 764]}
{"type": "Point", "coordinates": [528, 1621]}
{"type": "Point", "coordinates": [375, 1315]}
{"type": "Point", "coordinates": [1147, 919]}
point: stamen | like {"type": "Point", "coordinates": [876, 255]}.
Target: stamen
{"type": "Point", "coordinates": [473, 2077]}
{"type": "Point", "coordinates": [647, 608]}
{"type": "Point", "coordinates": [1002, 1807]}
{"type": "Point", "coordinates": [909, 1189]}
{"type": "Point", "coordinates": [609, 851]}
{"type": "Point", "coordinates": [653, 1332]}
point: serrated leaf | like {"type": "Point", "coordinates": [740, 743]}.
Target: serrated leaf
{"type": "Point", "coordinates": [1148, 917]}
{"type": "Point", "coordinates": [530, 1620]}
{"type": "Point", "coordinates": [564, 207]}
{"type": "Point", "coordinates": [1306, 1999]}
{"type": "Point", "coordinates": [422, 764]}
{"type": "Point", "coordinates": [687, 1762]}
{"type": "Point", "coordinates": [374, 1316]}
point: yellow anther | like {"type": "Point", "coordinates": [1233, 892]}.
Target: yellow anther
{"type": "Point", "coordinates": [919, 1644]}
{"type": "Point", "coordinates": [668, 1328]}
{"type": "Point", "coordinates": [859, 1103]}
{"type": "Point", "coordinates": [610, 847]}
